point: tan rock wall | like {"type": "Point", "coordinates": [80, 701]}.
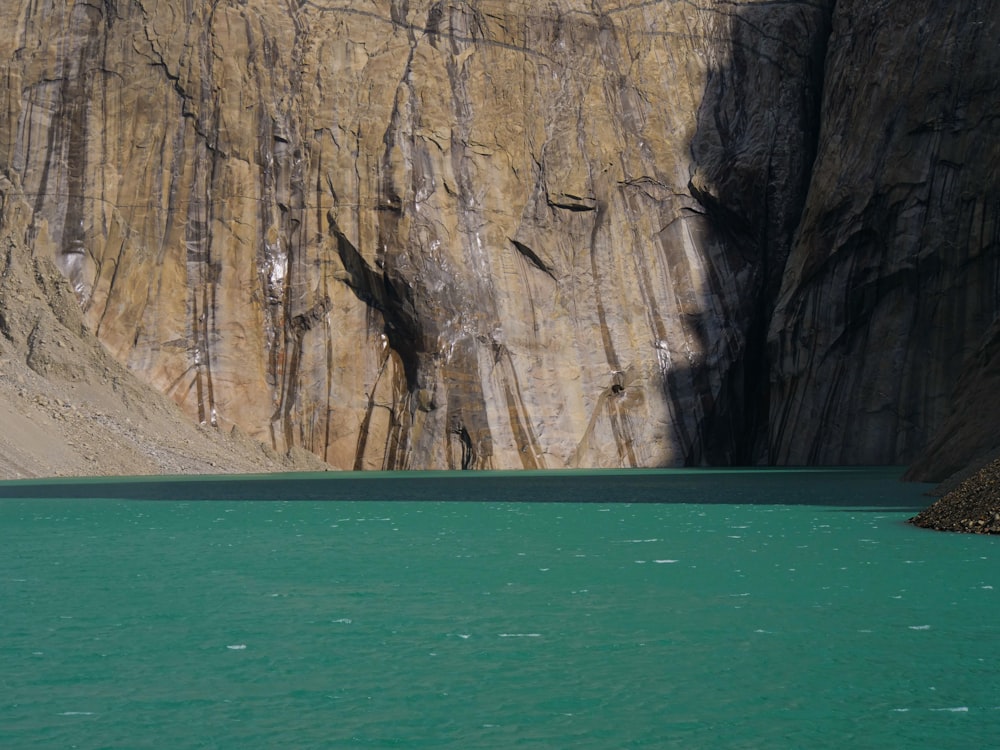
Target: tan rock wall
{"type": "Point", "coordinates": [398, 234]}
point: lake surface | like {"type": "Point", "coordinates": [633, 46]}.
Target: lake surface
{"type": "Point", "coordinates": [660, 609]}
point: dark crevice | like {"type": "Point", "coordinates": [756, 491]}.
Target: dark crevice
{"type": "Point", "coordinates": [533, 258]}
{"type": "Point", "coordinates": [468, 452]}
{"type": "Point", "coordinates": [753, 201]}
{"type": "Point", "coordinates": [574, 203]}
{"type": "Point", "coordinates": [390, 295]}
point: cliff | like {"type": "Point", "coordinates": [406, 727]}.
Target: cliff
{"type": "Point", "coordinates": [893, 281]}
{"type": "Point", "coordinates": [510, 234]}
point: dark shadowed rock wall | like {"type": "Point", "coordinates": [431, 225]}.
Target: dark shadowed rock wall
{"type": "Point", "coordinates": [969, 438]}
{"type": "Point", "coordinates": [893, 279]}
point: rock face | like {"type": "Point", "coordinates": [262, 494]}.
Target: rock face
{"type": "Point", "coordinates": [503, 234]}
{"type": "Point", "coordinates": [893, 280]}
{"type": "Point", "coordinates": [67, 408]}
{"type": "Point", "coordinates": [969, 438]}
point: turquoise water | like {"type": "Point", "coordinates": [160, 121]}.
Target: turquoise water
{"type": "Point", "coordinates": [649, 609]}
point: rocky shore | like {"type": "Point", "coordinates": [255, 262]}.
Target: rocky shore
{"type": "Point", "coordinates": [973, 507]}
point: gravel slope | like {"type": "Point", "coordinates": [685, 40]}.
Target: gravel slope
{"type": "Point", "coordinates": [68, 408]}
{"type": "Point", "coordinates": [53, 426]}
{"type": "Point", "coordinates": [971, 507]}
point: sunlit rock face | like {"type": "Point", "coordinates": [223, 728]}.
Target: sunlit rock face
{"type": "Point", "coordinates": [419, 234]}
{"type": "Point", "coordinates": [505, 234]}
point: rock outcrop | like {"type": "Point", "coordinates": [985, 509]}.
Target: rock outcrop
{"type": "Point", "coordinates": [505, 234]}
